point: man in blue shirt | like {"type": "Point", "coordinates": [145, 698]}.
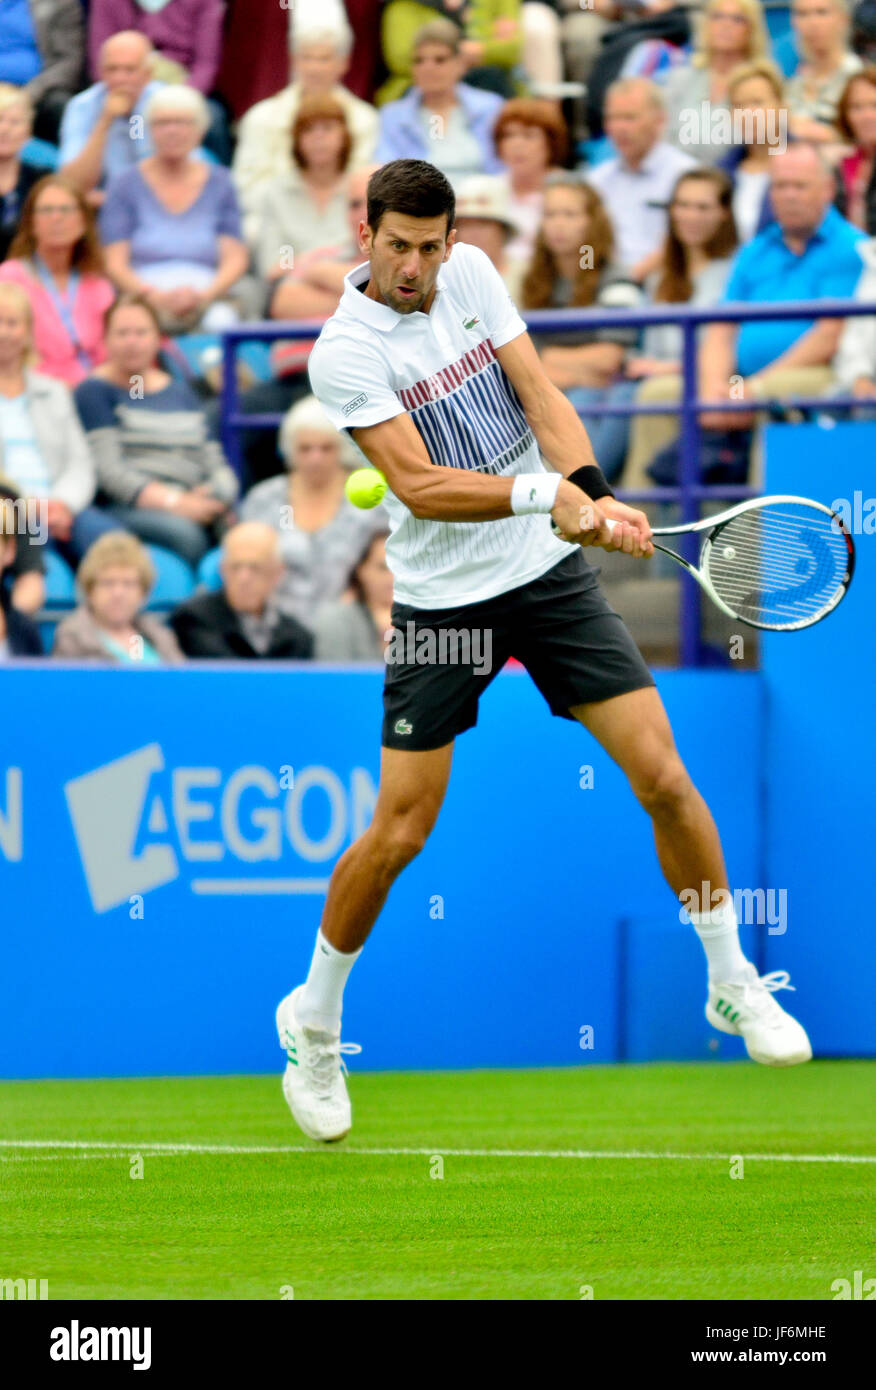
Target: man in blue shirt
{"type": "Point", "coordinates": [42, 50]}
{"type": "Point", "coordinates": [103, 131]}
{"type": "Point", "coordinates": [809, 252]}
{"type": "Point", "coordinates": [20, 59]}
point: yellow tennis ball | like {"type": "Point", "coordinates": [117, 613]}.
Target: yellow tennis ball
{"type": "Point", "coordinates": [366, 487]}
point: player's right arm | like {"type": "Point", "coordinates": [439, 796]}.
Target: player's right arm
{"type": "Point", "coordinates": [347, 379]}
{"type": "Point", "coordinates": [437, 493]}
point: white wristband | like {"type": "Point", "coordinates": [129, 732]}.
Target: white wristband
{"type": "Point", "coordinates": [534, 492]}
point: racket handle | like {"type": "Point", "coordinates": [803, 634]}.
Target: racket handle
{"type": "Point", "coordinates": [609, 521]}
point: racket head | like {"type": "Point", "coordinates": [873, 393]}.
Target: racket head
{"type": "Point", "coordinates": [779, 563]}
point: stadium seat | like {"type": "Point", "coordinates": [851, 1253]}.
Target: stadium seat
{"type": "Point", "coordinates": [593, 152]}
{"type": "Point", "coordinates": [190, 349]}
{"type": "Point", "coordinates": [208, 570]}
{"type": "Point", "coordinates": [60, 582]}
{"type": "Point", "coordinates": [174, 580]}
{"type": "Point", "coordinates": [778, 20]}
{"type": "Point", "coordinates": [785, 54]}
{"type": "Point", "coordinates": [40, 153]}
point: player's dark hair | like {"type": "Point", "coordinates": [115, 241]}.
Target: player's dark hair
{"type": "Point", "coordinates": [412, 187]}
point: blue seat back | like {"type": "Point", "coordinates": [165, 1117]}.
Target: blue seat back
{"type": "Point", "coordinates": [60, 581]}
{"type": "Point", "coordinates": [208, 570]}
{"type": "Point", "coordinates": [174, 580]}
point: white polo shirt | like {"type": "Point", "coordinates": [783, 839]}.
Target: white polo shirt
{"type": "Point", "coordinates": [371, 364]}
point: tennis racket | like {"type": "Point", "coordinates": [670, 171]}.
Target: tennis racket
{"type": "Point", "coordinates": [777, 563]}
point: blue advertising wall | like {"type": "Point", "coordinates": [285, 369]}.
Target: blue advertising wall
{"type": "Point", "coordinates": [820, 711]}
{"type": "Point", "coordinates": [166, 839]}
{"type": "Point", "coordinates": [162, 887]}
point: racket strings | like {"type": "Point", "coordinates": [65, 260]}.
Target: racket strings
{"type": "Point", "coordinates": [779, 565]}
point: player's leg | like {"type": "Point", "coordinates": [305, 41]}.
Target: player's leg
{"type": "Point", "coordinates": [412, 787]}
{"type": "Point", "coordinates": [411, 791]}
{"type": "Point", "coordinates": [634, 730]}
{"type": "Point", "coordinates": [584, 661]}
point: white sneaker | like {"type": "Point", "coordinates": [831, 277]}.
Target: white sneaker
{"type": "Point", "coordinates": [313, 1083]}
{"type": "Point", "coordinates": [747, 1007]}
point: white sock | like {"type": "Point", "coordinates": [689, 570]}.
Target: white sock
{"type": "Point", "coordinates": [718, 930]}
{"type": "Point", "coordinates": [320, 1005]}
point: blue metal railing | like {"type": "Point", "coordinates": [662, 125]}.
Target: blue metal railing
{"type": "Point", "coordinates": [689, 492]}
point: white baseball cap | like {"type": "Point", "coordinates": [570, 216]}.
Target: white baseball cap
{"type": "Point", "coordinates": [486, 196]}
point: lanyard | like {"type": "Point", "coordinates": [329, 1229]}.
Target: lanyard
{"type": "Point", "coordinates": [64, 305]}
{"type": "Point", "coordinates": [11, 212]}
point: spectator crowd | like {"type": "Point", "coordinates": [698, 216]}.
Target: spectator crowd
{"type": "Point", "coordinates": [169, 168]}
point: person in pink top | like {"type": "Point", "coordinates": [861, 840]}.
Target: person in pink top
{"type": "Point", "coordinates": [57, 260]}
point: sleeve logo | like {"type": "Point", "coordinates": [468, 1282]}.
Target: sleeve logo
{"type": "Point", "coordinates": [353, 404]}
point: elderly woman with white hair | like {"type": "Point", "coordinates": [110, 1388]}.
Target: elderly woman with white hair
{"type": "Point", "coordinates": [171, 225]}
{"type": "Point", "coordinates": [16, 177]}
{"type": "Point", "coordinates": [319, 58]}
{"type": "Point", "coordinates": [322, 534]}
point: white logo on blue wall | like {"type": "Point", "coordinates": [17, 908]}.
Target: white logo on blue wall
{"type": "Point", "coordinates": [106, 807]}
{"type": "Point", "coordinates": [139, 824]}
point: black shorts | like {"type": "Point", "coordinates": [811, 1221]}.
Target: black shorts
{"type": "Point", "coordinates": [559, 626]}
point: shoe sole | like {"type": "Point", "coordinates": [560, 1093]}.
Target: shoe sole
{"type": "Point", "coordinates": [318, 1138]}
{"type": "Point", "coordinates": [796, 1059]}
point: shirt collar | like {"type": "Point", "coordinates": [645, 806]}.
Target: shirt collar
{"type": "Point", "coordinates": [825, 227]}
{"type": "Point", "coordinates": [371, 311]}
{"type": "Point", "coordinates": [821, 233]}
{"type": "Point", "coordinates": [466, 97]}
{"type": "Point", "coordinates": [266, 619]}
{"type": "Point", "coordinates": [649, 164]}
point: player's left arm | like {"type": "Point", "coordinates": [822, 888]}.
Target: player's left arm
{"type": "Point", "coordinates": [563, 439]}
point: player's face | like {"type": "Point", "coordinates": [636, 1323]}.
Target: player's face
{"type": "Point", "coordinates": [406, 254]}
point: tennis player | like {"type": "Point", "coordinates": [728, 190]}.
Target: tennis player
{"type": "Point", "coordinates": [428, 365]}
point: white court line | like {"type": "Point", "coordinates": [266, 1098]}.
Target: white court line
{"type": "Point", "coordinates": [100, 1148]}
